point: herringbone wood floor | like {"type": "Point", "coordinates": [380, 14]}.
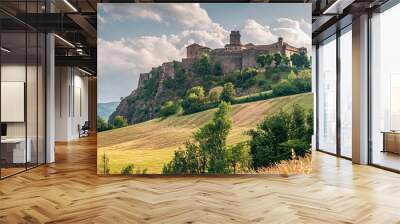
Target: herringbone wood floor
{"type": "Point", "coordinates": [69, 191]}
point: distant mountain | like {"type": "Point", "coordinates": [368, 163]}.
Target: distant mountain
{"type": "Point", "coordinates": [104, 110]}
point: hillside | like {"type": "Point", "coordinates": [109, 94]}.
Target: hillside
{"type": "Point", "coordinates": [172, 81]}
{"type": "Point", "coordinates": [152, 143]}
{"type": "Point", "coordinates": [104, 110]}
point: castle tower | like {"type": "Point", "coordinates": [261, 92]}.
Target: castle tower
{"type": "Point", "coordinates": [234, 38]}
{"type": "Point", "coordinates": [280, 41]}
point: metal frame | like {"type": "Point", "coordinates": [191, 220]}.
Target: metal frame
{"type": "Point", "coordinates": [389, 4]}
{"type": "Point", "coordinates": [338, 33]}
{"type": "Point", "coordinates": [44, 74]}
{"type": "Point", "coordinates": [338, 152]}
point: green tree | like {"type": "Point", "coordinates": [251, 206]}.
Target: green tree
{"type": "Point", "coordinates": [297, 123]}
{"type": "Point", "coordinates": [277, 135]}
{"type": "Point", "coordinates": [284, 88]}
{"type": "Point", "coordinates": [270, 133]}
{"type": "Point", "coordinates": [217, 69]}
{"type": "Point", "coordinates": [260, 59]}
{"type": "Point", "coordinates": [285, 62]}
{"type": "Point", "coordinates": [208, 150]}
{"type": "Point", "coordinates": [128, 169]}
{"type": "Point", "coordinates": [194, 100]}
{"type": "Point", "coordinates": [119, 122]}
{"type": "Point", "coordinates": [277, 59]}
{"type": "Point", "coordinates": [309, 125]}
{"type": "Point", "coordinates": [300, 60]}
{"type": "Point", "coordinates": [202, 66]}
{"type": "Point", "coordinates": [264, 60]}
{"type": "Point", "coordinates": [228, 93]}
{"type": "Point", "coordinates": [268, 60]}
{"type": "Point", "coordinates": [170, 108]}
{"type": "Point", "coordinates": [238, 157]}
{"type": "Point", "coordinates": [102, 124]}
{"type": "Point", "coordinates": [212, 139]}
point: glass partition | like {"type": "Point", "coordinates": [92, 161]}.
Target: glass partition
{"type": "Point", "coordinates": [22, 77]}
{"type": "Point", "coordinates": [327, 95]}
{"type": "Point", "coordinates": [13, 105]}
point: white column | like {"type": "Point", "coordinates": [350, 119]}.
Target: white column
{"type": "Point", "coordinates": [360, 90]}
{"type": "Point", "coordinates": [50, 99]}
{"type": "Point", "coordinates": [314, 91]}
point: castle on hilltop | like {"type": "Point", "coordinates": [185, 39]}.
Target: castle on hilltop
{"type": "Point", "coordinates": [234, 56]}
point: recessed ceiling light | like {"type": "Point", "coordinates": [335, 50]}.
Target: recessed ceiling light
{"type": "Point", "coordinates": [84, 71]}
{"type": "Point", "coordinates": [5, 50]}
{"type": "Point", "coordinates": [64, 40]}
{"type": "Point", "coordinates": [70, 5]}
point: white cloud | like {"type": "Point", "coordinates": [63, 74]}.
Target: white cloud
{"type": "Point", "coordinates": [305, 26]}
{"type": "Point", "coordinates": [121, 61]}
{"type": "Point", "coordinates": [253, 32]}
{"type": "Point", "coordinates": [190, 15]}
{"type": "Point", "coordinates": [292, 32]}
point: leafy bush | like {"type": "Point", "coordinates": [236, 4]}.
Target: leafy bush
{"type": "Point", "coordinates": [119, 122]}
{"type": "Point", "coordinates": [300, 60]}
{"type": "Point", "coordinates": [217, 70]}
{"type": "Point", "coordinates": [238, 157]}
{"type": "Point", "coordinates": [260, 96]}
{"type": "Point", "coordinates": [102, 124]}
{"type": "Point", "coordinates": [284, 88]}
{"type": "Point", "coordinates": [301, 148]}
{"type": "Point", "coordinates": [126, 170]}
{"type": "Point", "coordinates": [208, 152]}
{"type": "Point", "coordinates": [264, 60]}
{"type": "Point", "coordinates": [294, 84]}
{"type": "Point", "coordinates": [194, 101]}
{"type": "Point", "coordinates": [228, 93]}
{"type": "Point", "coordinates": [202, 66]}
{"type": "Point", "coordinates": [277, 135]}
{"type": "Point", "coordinates": [170, 108]}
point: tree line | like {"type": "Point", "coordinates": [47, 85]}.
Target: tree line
{"type": "Point", "coordinates": [272, 141]}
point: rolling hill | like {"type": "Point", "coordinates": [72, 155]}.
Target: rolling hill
{"type": "Point", "coordinates": [151, 144]}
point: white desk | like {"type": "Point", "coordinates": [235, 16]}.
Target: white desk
{"type": "Point", "coordinates": [19, 153]}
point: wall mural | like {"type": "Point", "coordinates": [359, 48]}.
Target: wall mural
{"type": "Point", "coordinates": [192, 89]}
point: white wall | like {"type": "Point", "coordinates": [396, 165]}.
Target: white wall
{"type": "Point", "coordinates": [71, 103]}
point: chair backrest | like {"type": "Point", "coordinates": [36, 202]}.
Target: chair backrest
{"type": "Point", "coordinates": [86, 125]}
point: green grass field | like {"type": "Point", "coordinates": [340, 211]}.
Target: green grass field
{"type": "Point", "coordinates": [151, 144]}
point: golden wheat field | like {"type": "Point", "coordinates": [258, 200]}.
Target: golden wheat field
{"type": "Point", "coordinates": [151, 144]}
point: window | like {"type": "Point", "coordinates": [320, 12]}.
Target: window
{"type": "Point", "coordinates": [327, 95]}
{"type": "Point", "coordinates": [385, 89]}
{"type": "Point", "coordinates": [346, 92]}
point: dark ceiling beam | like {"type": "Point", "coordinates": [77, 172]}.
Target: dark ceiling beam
{"type": "Point", "coordinates": [49, 22]}
{"type": "Point", "coordinates": [86, 26]}
{"type": "Point", "coordinates": [78, 61]}
{"type": "Point", "coordinates": [91, 5]}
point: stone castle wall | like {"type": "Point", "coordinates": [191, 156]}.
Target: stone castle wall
{"type": "Point", "coordinates": [142, 78]}
{"type": "Point", "coordinates": [234, 56]}
{"type": "Point", "coordinates": [230, 61]}
{"type": "Point", "coordinates": [167, 71]}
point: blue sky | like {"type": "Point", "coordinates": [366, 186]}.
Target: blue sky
{"type": "Point", "coordinates": [134, 37]}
